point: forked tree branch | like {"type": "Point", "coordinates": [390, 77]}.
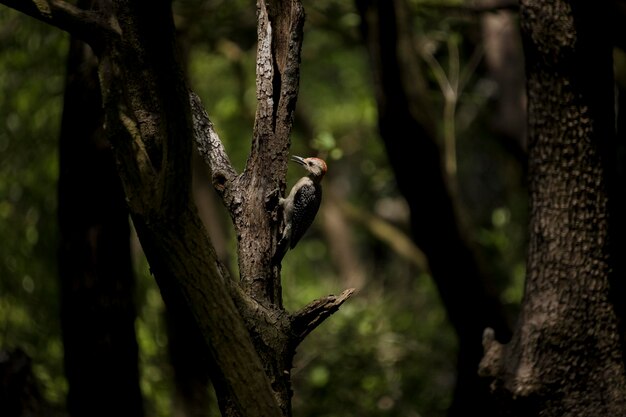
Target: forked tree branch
{"type": "Point", "coordinates": [279, 32]}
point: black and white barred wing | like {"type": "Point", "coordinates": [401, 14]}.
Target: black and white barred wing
{"type": "Point", "coordinates": [306, 204]}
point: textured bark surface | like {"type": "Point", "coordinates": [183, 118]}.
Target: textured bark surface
{"type": "Point", "coordinates": [566, 356]}
{"type": "Point", "coordinates": [279, 32]}
{"type": "Point", "coordinates": [252, 196]}
{"type": "Point", "coordinates": [96, 275]}
{"type": "Point", "coordinates": [275, 332]}
{"type": "Point", "coordinates": [407, 131]}
{"type": "Point", "coordinates": [152, 120]}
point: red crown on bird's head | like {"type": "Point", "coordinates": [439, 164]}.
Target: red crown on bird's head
{"type": "Point", "coordinates": [321, 163]}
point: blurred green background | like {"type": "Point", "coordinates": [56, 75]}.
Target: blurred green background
{"type": "Point", "coordinates": [389, 351]}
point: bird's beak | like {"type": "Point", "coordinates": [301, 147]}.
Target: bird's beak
{"type": "Point", "coordinates": [298, 160]}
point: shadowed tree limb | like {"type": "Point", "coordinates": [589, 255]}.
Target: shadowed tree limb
{"type": "Point", "coordinates": [87, 25]}
{"type": "Point", "coordinates": [312, 315]}
{"type": "Point", "coordinates": [150, 121]}
{"type": "Point", "coordinates": [212, 150]}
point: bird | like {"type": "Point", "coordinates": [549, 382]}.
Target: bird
{"type": "Point", "coordinates": [301, 205]}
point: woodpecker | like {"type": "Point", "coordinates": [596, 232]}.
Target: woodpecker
{"type": "Point", "coordinates": [301, 205]}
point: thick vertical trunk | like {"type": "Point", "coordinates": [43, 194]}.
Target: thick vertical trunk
{"type": "Point", "coordinates": [94, 257]}
{"type": "Point", "coordinates": [566, 355]}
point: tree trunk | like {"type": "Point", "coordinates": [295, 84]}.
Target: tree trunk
{"type": "Point", "coordinates": [190, 364]}
{"type": "Point", "coordinates": [97, 308]}
{"type": "Point", "coordinates": [566, 355]}
{"type": "Point", "coordinates": [186, 349]}
{"type": "Point", "coordinates": [20, 393]}
{"type": "Point", "coordinates": [152, 120]}
{"type": "Point", "coordinates": [409, 138]}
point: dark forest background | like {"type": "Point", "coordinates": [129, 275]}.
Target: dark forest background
{"type": "Point", "coordinates": [392, 348]}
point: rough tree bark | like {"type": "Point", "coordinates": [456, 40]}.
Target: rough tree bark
{"type": "Point", "coordinates": [250, 339]}
{"type": "Point", "coordinates": [566, 356]}
{"type": "Point", "coordinates": [409, 136]}
{"type": "Point", "coordinates": [95, 268]}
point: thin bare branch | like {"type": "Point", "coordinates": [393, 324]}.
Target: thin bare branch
{"type": "Point", "coordinates": [210, 146]}
{"type": "Point", "coordinates": [306, 320]}
{"type": "Point", "coordinates": [397, 240]}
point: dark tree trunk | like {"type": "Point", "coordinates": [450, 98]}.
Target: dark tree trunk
{"type": "Point", "coordinates": [408, 134]}
{"type": "Point", "coordinates": [97, 308]}
{"type": "Point", "coordinates": [152, 120]}
{"type": "Point", "coordinates": [566, 355]}
{"type": "Point", "coordinates": [190, 365]}
{"type": "Point", "coordinates": [20, 395]}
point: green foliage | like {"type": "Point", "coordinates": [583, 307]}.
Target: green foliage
{"type": "Point", "coordinates": [389, 350]}
{"type": "Point", "coordinates": [379, 355]}
{"type": "Point", "coordinates": [231, 102]}
{"type": "Point", "coordinates": [156, 373]}
{"type": "Point", "coordinates": [31, 81]}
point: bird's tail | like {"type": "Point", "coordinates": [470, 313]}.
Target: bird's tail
{"type": "Point", "coordinates": [281, 249]}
